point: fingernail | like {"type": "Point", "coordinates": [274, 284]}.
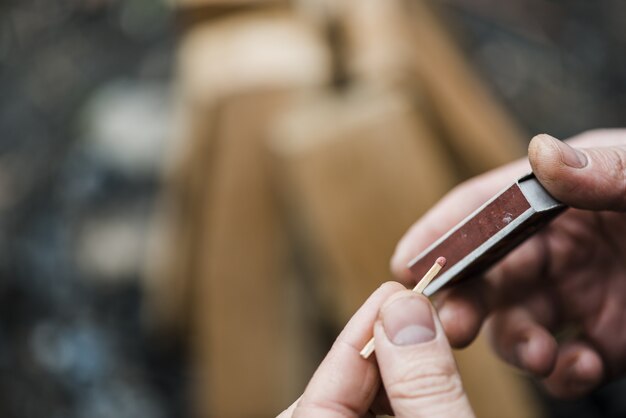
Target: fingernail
{"type": "Point", "coordinates": [408, 321]}
{"type": "Point", "coordinates": [570, 156]}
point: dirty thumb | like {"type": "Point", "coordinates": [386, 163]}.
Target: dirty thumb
{"type": "Point", "coordinates": [589, 178]}
{"type": "Point", "coordinates": [415, 360]}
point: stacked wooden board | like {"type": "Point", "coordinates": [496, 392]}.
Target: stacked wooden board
{"type": "Point", "coordinates": [312, 135]}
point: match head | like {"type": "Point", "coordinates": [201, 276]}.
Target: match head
{"type": "Point", "coordinates": [441, 261]}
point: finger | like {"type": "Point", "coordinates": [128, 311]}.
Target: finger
{"type": "Point", "coordinates": [463, 307]}
{"type": "Point", "coordinates": [462, 310]}
{"type": "Point", "coordinates": [461, 201]}
{"type": "Point", "coordinates": [521, 271]}
{"type": "Point", "coordinates": [589, 178]}
{"type": "Point", "coordinates": [415, 359]}
{"type": "Point", "coordinates": [579, 369]}
{"type": "Point", "coordinates": [344, 385]}
{"type": "Point", "coordinates": [452, 209]}
{"type": "Point", "coordinates": [520, 335]}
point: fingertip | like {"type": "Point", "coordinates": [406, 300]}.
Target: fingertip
{"type": "Point", "coordinates": [403, 293]}
{"type": "Point", "coordinates": [538, 141]}
{"type": "Point", "coordinates": [408, 320]}
{"type": "Point", "coordinates": [579, 370]}
{"type": "Point", "coordinates": [544, 157]}
{"type": "Point", "coordinates": [460, 322]}
{"type": "Point", "coordinates": [538, 144]}
{"type": "Point", "coordinates": [462, 311]}
{"type": "Point", "coordinates": [588, 368]}
{"type": "Point", "coordinates": [537, 353]}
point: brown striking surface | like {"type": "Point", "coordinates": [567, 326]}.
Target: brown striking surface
{"type": "Point", "coordinates": [476, 230]}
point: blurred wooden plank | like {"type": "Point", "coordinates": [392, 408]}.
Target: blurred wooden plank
{"type": "Point", "coordinates": [229, 282]}
{"type": "Point", "coordinates": [478, 127]}
{"type": "Point", "coordinates": [225, 279]}
{"type": "Point", "coordinates": [361, 168]}
{"type": "Point", "coordinates": [287, 43]}
{"type": "Point", "coordinates": [404, 43]}
{"type": "Point", "coordinates": [252, 51]}
{"type": "Point", "coordinates": [248, 354]}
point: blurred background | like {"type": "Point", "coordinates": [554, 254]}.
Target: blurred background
{"type": "Point", "coordinates": [196, 195]}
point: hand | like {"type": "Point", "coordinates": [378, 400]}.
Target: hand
{"type": "Point", "coordinates": [571, 275]}
{"type": "Point", "coordinates": [413, 359]}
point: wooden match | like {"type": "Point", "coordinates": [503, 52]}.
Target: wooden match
{"type": "Point", "coordinates": [368, 349]}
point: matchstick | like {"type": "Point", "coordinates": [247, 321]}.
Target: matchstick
{"type": "Point", "coordinates": [421, 285]}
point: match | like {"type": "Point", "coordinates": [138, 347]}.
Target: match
{"type": "Point", "coordinates": [368, 349]}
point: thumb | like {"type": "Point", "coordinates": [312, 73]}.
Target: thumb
{"type": "Point", "coordinates": [415, 360]}
{"type": "Point", "coordinates": [590, 178]}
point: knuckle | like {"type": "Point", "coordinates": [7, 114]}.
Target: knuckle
{"type": "Point", "coordinates": [431, 381]}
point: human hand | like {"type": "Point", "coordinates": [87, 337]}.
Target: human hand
{"type": "Point", "coordinates": [571, 274]}
{"type": "Point", "coordinates": [413, 361]}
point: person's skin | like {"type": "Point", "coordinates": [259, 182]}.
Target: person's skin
{"type": "Point", "coordinates": [571, 275]}
{"type": "Point", "coordinates": [413, 361]}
